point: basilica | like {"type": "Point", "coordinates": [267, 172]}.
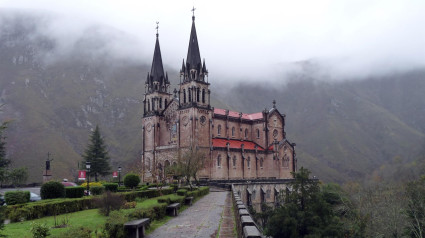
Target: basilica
{"type": "Point", "coordinates": [237, 145]}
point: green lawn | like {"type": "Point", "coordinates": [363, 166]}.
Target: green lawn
{"type": "Point", "coordinates": [89, 218]}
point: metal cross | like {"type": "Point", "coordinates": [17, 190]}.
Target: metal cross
{"type": "Point", "coordinates": [193, 10]}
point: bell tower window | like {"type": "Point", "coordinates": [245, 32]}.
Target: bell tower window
{"type": "Point", "coordinates": [184, 95]}
{"type": "Point", "coordinates": [203, 95]}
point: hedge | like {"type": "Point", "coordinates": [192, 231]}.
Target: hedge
{"type": "Point", "coordinates": [74, 192]}
{"type": "Point", "coordinates": [113, 187]}
{"type": "Point", "coordinates": [97, 190]}
{"type": "Point", "coordinates": [182, 192]}
{"type": "Point", "coordinates": [131, 196]}
{"type": "Point", "coordinates": [171, 198]}
{"type": "Point", "coordinates": [39, 209]}
{"type": "Point", "coordinates": [17, 197]}
{"type": "Point", "coordinates": [51, 207]}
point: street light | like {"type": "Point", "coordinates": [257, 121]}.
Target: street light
{"type": "Point", "coordinates": [119, 176]}
{"type": "Point", "coordinates": [88, 177]}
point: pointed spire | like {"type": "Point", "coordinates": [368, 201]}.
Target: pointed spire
{"type": "Point", "coordinates": [193, 56]}
{"type": "Point", "coordinates": [157, 71]}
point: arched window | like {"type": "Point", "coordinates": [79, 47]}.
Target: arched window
{"type": "Point", "coordinates": [261, 163]}
{"type": "Point", "coordinates": [219, 130]}
{"type": "Point", "coordinates": [219, 161]}
{"type": "Point", "coordinates": [184, 95]}
{"type": "Point", "coordinates": [285, 162]}
{"type": "Point", "coordinates": [148, 164]}
{"type": "Point", "coordinates": [149, 105]}
{"type": "Point", "coordinates": [234, 161]}
{"type": "Point", "coordinates": [198, 92]}
{"type": "Point", "coordinates": [248, 162]}
{"type": "Point", "coordinates": [258, 133]}
{"type": "Point", "coordinates": [246, 133]}
{"type": "Point", "coordinates": [190, 94]}
{"type": "Point", "coordinates": [233, 131]}
{"type": "Point", "coordinates": [203, 95]}
{"type": "Point", "coordinates": [165, 105]}
{"type": "Point", "coordinates": [160, 103]}
{"type": "Point", "coordinates": [153, 104]}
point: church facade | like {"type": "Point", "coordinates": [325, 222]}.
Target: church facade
{"type": "Point", "coordinates": [236, 145]}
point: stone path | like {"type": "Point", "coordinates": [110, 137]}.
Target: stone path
{"type": "Point", "coordinates": [228, 222]}
{"type": "Point", "coordinates": [202, 219]}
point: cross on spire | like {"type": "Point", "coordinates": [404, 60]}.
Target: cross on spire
{"type": "Point", "coordinates": [157, 27]}
{"type": "Point", "coordinates": [193, 10]}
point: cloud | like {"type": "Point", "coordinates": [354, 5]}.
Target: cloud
{"type": "Point", "coordinates": [247, 40]}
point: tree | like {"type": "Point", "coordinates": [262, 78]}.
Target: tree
{"type": "Point", "coordinates": [415, 211]}
{"type": "Point", "coordinates": [4, 162]}
{"type": "Point", "coordinates": [97, 154]}
{"type": "Point", "coordinates": [305, 212]}
{"type": "Point", "coordinates": [18, 176]}
{"type": "Point", "coordinates": [189, 164]}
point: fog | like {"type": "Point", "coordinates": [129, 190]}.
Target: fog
{"type": "Point", "coordinates": [246, 40]}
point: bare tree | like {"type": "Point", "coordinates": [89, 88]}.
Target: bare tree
{"type": "Point", "coordinates": [189, 163]}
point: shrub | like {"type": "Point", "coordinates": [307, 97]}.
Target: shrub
{"type": "Point", "coordinates": [73, 232]}
{"type": "Point", "coordinates": [113, 187]}
{"type": "Point", "coordinates": [97, 190]}
{"type": "Point", "coordinates": [129, 205]}
{"type": "Point", "coordinates": [39, 230]}
{"type": "Point", "coordinates": [52, 189]}
{"type": "Point", "coordinates": [109, 202]}
{"type": "Point", "coordinates": [182, 192]}
{"type": "Point", "coordinates": [74, 192]}
{"type": "Point", "coordinates": [16, 197]}
{"type": "Point", "coordinates": [171, 198]}
{"type": "Point", "coordinates": [131, 180]}
{"type": "Point", "coordinates": [92, 184]}
{"type": "Point", "coordinates": [114, 225]}
{"type": "Point", "coordinates": [154, 213]}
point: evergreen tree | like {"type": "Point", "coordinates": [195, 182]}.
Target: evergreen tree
{"type": "Point", "coordinates": [97, 154]}
{"type": "Point", "coordinates": [3, 161]}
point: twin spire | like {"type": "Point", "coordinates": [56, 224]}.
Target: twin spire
{"type": "Point", "coordinates": [158, 81]}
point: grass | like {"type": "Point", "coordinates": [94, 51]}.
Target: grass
{"type": "Point", "coordinates": [88, 218]}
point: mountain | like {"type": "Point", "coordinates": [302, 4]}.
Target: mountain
{"type": "Point", "coordinates": [344, 130]}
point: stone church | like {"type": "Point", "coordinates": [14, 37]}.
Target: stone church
{"type": "Point", "coordinates": [237, 145]}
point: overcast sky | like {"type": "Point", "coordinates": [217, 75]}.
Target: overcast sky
{"type": "Point", "coordinates": [250, 39]}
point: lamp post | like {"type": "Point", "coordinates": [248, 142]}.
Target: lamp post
{"type": "Point", "coordinates": [119, 176]}
{"type": "Point", "coordinates": [88, 177]}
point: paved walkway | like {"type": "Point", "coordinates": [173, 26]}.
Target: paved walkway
{"type": "Point", "coordinates": [202, 219]}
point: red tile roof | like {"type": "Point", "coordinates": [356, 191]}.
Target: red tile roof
{"type": "Point", "coordinates": [235, 144]}
{"type": "Point", "coordinates": [252, 116]}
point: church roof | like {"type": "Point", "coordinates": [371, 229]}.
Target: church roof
{"type": "Point", "coordinates": [252, 116]}
{"type": "Point", "coordinates": [157, 70]}
{"type": "Point", "coordinates": [193, 59]}
{"type": "Point", "coordinates": [236, 144]}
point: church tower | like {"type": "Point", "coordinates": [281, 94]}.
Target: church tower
{"type": "Point", "coordinates": [194, 98]}
{"type": "Point", "coordinates": [156, 86]}
{"type": "Point", "coordinates": [194, 86]}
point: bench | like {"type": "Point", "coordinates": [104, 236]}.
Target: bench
{"type": "Point", "coordinates": [136, 228]}
{"type": "Point", "coordinates": [173, 209]}
{"type": "Point", "coordinates": [188, 201]}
